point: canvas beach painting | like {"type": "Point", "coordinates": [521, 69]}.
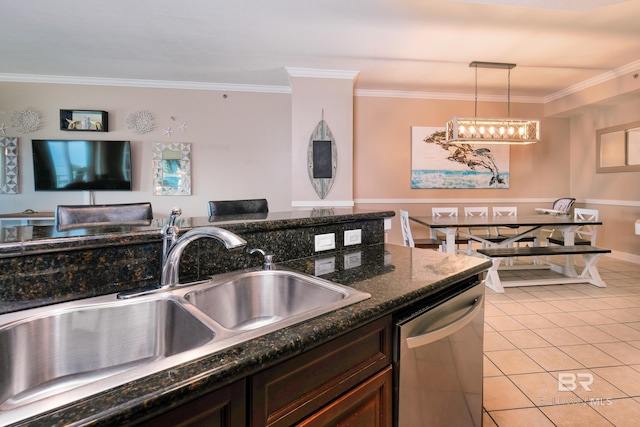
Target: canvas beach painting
{"type": "Point", "coordinates": [439, 164]}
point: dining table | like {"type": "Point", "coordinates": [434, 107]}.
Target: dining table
{"type": "Point", "coordinates": [457, 227]}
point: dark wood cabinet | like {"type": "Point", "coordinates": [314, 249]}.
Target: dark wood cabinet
{"type": "Point", "coordinates": [225, 407]}
{"type": "Point", "coordinates": [293, 390]}
{"type": "Point", "coordinates": [346, 381]}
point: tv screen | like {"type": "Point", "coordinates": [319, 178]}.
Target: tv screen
{"type": "Point", "coordinates": [63, 165]}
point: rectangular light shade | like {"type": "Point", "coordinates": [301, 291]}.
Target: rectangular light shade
{"type": "Point", "coordinates": [476, 130]}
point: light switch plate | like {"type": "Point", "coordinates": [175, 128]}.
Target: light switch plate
{"type": "Point", "coordinates": [352, 237]}
{"type": "Point", "coordinates": [325, 242]}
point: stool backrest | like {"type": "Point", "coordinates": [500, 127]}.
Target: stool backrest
{"type": "Point", "coordinates": [238, 207]}
{"type": "Point", "coordinates": [70, 217]}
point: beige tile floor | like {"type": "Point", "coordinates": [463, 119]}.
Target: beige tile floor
{"type": "Point", "coordinates": [539, 338]}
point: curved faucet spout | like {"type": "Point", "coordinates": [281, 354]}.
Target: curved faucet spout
{"type": "Point", "coordinates": [169, 274]}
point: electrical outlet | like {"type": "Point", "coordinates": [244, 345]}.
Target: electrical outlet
{"type": "Point", "coordinates": [352, 237]}
{"type": "Point", "coordinates": [325, 242]}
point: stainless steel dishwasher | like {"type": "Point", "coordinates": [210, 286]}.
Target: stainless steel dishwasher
{"type": "Point", "coordinates": [438, 359]}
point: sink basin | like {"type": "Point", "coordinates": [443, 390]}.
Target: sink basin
{"type": "Point", "coordinates": [55, 355]}
{"type": "Point", "coordinates": [42, 356]}
{"type": "Point", "coordinates": [255, 299]}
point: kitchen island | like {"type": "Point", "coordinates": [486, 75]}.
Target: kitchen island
{"type": "Point", "coordinates": [395, 276]}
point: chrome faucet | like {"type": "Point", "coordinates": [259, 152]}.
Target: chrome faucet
{"type": "Point", "coordinates": [169, 273]}
{"type": "Point", "coordinates": [170, 233]}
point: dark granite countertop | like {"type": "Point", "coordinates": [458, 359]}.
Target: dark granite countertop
{"type": "Point", "coordinates": [395, 276]}
{"type": "Point", "coordinates": [34, 239]}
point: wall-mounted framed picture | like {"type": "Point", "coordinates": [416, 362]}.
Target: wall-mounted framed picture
{"type": "Point", "coordinates": [84, 120]}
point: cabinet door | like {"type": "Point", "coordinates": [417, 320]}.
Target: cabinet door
{"type": "Point", "coordinates": [221, 408]}
{"type": "Point", "coordinates": [293, 390]}
{"type": "Point", "coordinates": [368, 405]}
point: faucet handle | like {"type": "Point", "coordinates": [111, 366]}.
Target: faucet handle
{"type": "Point", "coordinates": [175, 213]}
{"type": "Point", "coordinates": [268, 263]}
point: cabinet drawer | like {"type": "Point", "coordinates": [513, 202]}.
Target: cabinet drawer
{"type": "Point", "coordinates": [288, 392]}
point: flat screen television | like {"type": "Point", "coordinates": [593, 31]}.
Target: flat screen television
{"type": "Point", "coordinates": [64, 165]}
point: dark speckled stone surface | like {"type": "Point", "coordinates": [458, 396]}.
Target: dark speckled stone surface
{"type": "Point", "coordinates": [41, 266]}
{"type": "Point", "coordinates": [395, 277]}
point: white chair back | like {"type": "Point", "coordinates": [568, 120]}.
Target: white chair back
{"type": "Point", "coordinates": [587, 232]}
{"type": "Point", "coordinates": [505, 211]}
{"type": "Point", "coordinates": [481, 211]}
{"type": "Point", "coordinates": [451, 212]}
{"type": "Point", "coordinates": [476, 211]}
{"type": "Point", "coordinates": [407, 237]}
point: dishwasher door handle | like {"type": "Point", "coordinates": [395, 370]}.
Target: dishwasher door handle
{"type": "Point", "coordinates": [444, 331]}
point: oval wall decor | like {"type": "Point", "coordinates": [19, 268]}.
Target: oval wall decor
{"type": "Point", "coordinates": [322, 159]}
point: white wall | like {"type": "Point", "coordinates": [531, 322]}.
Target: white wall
{"type": "Point", "coordinates": [315, 98]}
{"type": "Point", "coordinates": [241, 144]}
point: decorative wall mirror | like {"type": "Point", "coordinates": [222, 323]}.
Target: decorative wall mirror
{"type": "Point", "coordinates": [618, 148]}
{"type": "Point", "coordinates": [8, 165]}
{"type": "Point", "coordinates": [172, 169]}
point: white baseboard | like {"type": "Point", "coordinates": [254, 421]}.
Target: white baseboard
{"type": "Point", "coordinates": [624, 256]}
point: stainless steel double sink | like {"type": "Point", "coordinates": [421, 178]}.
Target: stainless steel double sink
{"type": "Point", "coordinates": [54, 355]}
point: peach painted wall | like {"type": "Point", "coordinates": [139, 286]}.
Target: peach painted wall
{"type": "Point", "coordinates": [383, 150]}
{"type": "Point", "coordinates": [539, 172]}
{"type": "Point", "coordinates": [616, 195]}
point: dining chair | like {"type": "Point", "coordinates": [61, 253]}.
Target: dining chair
{"type": "Point", "coordinates": [407, 235]}
{"type": "Point", "coordinates": [69, 217]}
{"type": "Point", "coordinates": [507, 232]}
{"type": "Point", "coordinates": [504, 211]}
{"type": "Point", "coordinates": [447, 212]}
{"type": "Point", "coordinates": [444, 212]}
{"type": "Point", "coordinates": [477, 211]}
{"type": "Point", "coordinates": [238, 207]}
{"type": "Point", "coordinates": [585, 234]}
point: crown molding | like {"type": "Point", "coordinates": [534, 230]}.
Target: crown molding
{"type": "Point", "coordinates": [322, 74]}
{"type": "Point", "coordinates": [446, 96]}
{"type": "Point", "coordinates": [602, 78]}
{"type": "Point", "coordinates": [316, 73]}
{"type": "Point", "coordinates": [157, 84]}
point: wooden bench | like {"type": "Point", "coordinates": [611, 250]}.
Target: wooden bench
{"type": "Point", "coordinates": [590, 255]}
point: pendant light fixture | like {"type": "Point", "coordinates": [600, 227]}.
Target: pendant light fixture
{"type": "Point", "coordinates": [476, 130]}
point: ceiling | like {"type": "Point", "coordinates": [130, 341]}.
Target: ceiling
{"type": "Point", "coordinates": [394, 45]}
